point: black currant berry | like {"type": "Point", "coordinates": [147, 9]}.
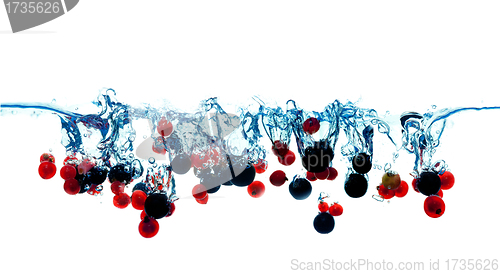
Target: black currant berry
{"type": "Point", "coordinates": [246, 177]}
{"type": "Point", "coordinates": [96, 175]}
{"type": "Point", "coordinates": [119, 173]}
{"type": "Point", "coordinates": [362, 163]}
{"type": "Point", "coordinates": [142, 186]}
{"type": "Point", "coordinates": [356, 185]}
{"type": "Point", "coordinates": [157, 205]}
{"type": "Point", "coordinates": [428, 183]}
{"type": "Point", "coordinates": [324, 223]}
{"type": "Point", "coordinates": [317, 158]}
{"type": "Point", "coordinates": [300, 188]}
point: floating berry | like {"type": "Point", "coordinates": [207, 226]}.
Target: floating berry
{"type": "Point", "coordinates": [317, 157]}
{"type": "Point", "coordinates": [148, 227]}
{"type": "Point", "coordinates": [362, 163]}
{"type": "Point", "coordinates": [391, 180]}
{"type": "Point", "coordinates": [181, 164]}
{"type": "Point", "coordinates": [288, 159]}
{"type": "Point", "coordinates": [203, 201]}
{"type": "Point", "coordinates": [279, 148]}
{"type": "Point", "coordinates": [260, 166]}
{"type": "Point", "coordinates": [356, 185]}
{"type": "Point", "coordinates": [121, 200]}
{"type": "Point", "coordinates": [311, 125]}
{"type": "Point", "coordinates": [414, 185]}
{"type": "Point", "coordinates": [428, 183]}
{"type": "Point", "coordinates": [278, 178]}
{"type": "Point", "coordinates": [311, 176]}
{"type": "Point", "coordinates": [324, 223]}
{"type": "Point", "coordinates": [121, 173]}
{"type": "Point", "coordinates": [434, 206]}
{"type": "Point", "coordinates": [47, 157]}
{"type": "Point", "coordinates": [117, 187]}
{"type": "Point", "coordinates": [164, 127]}
{"type": "Point", "coordinates": [67, 172]}
{"type": "Point", "coordinates": [447, 180]}
{"type": "Point", "coordinates": [256, 189]}
{"type": "Point", "coordinates": [332, 173]}
{"type": "Point", "coordinates": [171, 209]}
{"type": "Point", "coordinates": [158, 146]}
{"type": "Point", "coordinates": [47, 170]}
{"type": "Point", "coordinates": [385, 192]}
{"type": "Point", "coordinates": [322, 175]}
{"type": "Point", "coordinates": [440, 193]}
{"type": "Point", "coordinates": [142, 186]}
{"type": "Point", "coordinates": [245, 178]}
{"type": "Point", "coordinates": [402, 190]}
{"type": "Point", "coordinates": [336, 209]}
{"type": "Point", "coordinates": [138, 199]}
{"type": "Point", "coordinates": [300, 188]}
{"type": "Point", "coordinates": [96, 175]}
{"type": "Point", "coordinates": [71, 186]}
{"type": "Point", "coordinates": [157, 205]}
{"type": "Point", "coordinates": [199, 191]}
{"type": "Point", "coordinates": [85, 166]}
{"type": "Point", "coordinates": [70, 160]}
{"type": "Point", "coordinates": [323, 207]}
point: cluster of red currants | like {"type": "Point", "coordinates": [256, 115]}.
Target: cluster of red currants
{"type": "Point", "coordinates": [324, 221]}
{"type": "Point", "coordinates": [432, 185]}
{"type": "Point", "coordinates": [392, 185]}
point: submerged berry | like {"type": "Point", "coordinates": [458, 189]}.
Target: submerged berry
{"type": "Point", "coordinates": [362, 163]}
{"type": "Point", "coordinates": [324, 223]}
{"type": "Point", "coordinates": [120, 173]}
{"type": "Point", "coordinates": [67, 172]}
{"type": "Point", "coordinates": [278, 178]}
{"type": "Point", "coordinates": [121, 200]}
{"type": "Point", "coordinates": [47, 170]}
{"type": "Point", "coordinates": [47, 157]}
{"type": "Point", "coordinates": [71, 186]}
{"type": "Point", "coordinates": [256, 189]}
{"type": "Point", "coordinates": [117, 187]}
{"type": "Point", "coordinates": [300, 188]}
{"type": "Point", "coordinates": [148, 227]}
{"type": "Point", "coordinates": [356, 185]}
{"type": "Point", "coordinates": [336, 209]}
{"type": "Point", "coordinates": [138, 199]}
{"type": "Point", "coordinates": [311, 125]}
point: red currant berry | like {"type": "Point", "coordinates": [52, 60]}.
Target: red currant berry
{"type": "Point", "coordinates": [385, 192]}
{"type": "Point", "coordinates": [279, 148]}
{"type": "Point", "coordinates": [447, 180]}
{"type": "Point", "coordinates": [199, 191]}
{"type": "Point", "coordinates": [256, 189]}
{"type": "Point", "coordinates": [311, 176]}
{"type": "Point", "coordinates": [121, 200]}
{"type": "Point", "coordinates": [336, 209]}
{"type": "Point", "coordinates": [332, 173]}
{"type": "Point", "coordinates": [164, 127]}
{"type": "Point", "coordinates": [67, 172]}
{"type": "Point", "coordinates": [414, 185]}
{"type": "Point", "coordinates": [117, 187]}
{"type": "Point", "coordinates": [440, 193]}
{"type": "Point", "coordinates": [434, 206]}
{"type": "Point", "coordinates": [47, 170]}
{"type": "Point", "coordinates": [71, 186]}
{"type": "Point", "coordinates": [288, 159]}
{"type": "Point", "coordinates": [148, 227]}
{"type": "Point", "coordinates": [143, 214]}
{"type": "Point", "coordinates": [159, 146]}
{"type": "Point", "coordinates": [171, 209]}
{"type": "Point", "coordinates": [203, 200]}
{"type": "Point", "coordinates": [260, 166]}
{"type": "Point", "coordinates": [311, 125]}
{"type": "Point", "coordinates": [278, 178]}
{"type": "Point", "coordinates": [47, 157]}
{"type": "Point", "coordinates": [93, 191]}
{"type": "Point", "coordinates": [70, 160]}
{"type": "Point", "coordinates": [323, 207]}
{"type": "Point", "coordinates": [322, 175]}
{"type": "Point", "coordinates": [138, 199]}
{"type": "Point", "coordinates": [402, 190]}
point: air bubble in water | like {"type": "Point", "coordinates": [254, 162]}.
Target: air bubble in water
{"type": "Point", "coordinates": [151, 160]}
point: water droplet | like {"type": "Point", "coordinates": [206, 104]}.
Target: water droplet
{"type": "Point", "coordinates": [50, 149]}
{"type": "Point", "coordinates": [387, 167]}
{"type": "Point", "coordinates": [433, 106]}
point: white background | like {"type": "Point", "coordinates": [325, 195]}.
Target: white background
{"type": "Point", "coordinates": [393, 55]}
